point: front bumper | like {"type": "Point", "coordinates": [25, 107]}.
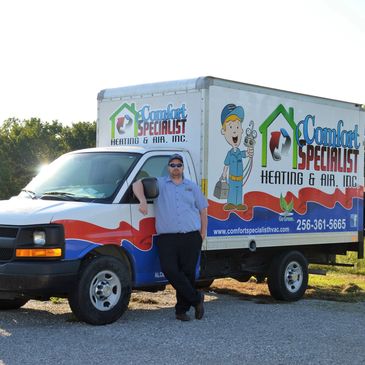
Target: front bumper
{"type": "Point", "coordinates": [37, 279]}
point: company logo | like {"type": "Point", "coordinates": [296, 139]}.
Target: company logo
{"type": "Point", "coordinates": [130, 125]}
{"type": "Point", "coordinates": [280, 141]}
{"type": "Point", "coordinates": [325, 149]}
{"type": "Point", "coordinates": [124, 121]}
{"type": "Point", "coordinates": [279, 148]}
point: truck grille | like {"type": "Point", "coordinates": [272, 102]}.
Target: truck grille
{"type": "Point", "coordinates": [7, 242]}
{"type": "Point", "coordinates": [8, 232]}
{"type": "Point", "coordinates": [6, 254]}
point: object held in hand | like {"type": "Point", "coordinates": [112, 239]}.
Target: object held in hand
{"type": "Point", "coordinates": [221, 189]}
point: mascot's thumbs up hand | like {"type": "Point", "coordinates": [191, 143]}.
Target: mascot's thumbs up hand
{"type": "Point", "coordinates": [250, 152]}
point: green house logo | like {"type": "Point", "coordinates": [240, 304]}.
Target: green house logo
{"type": "Point", "coordinates": [124, 121]}
{"type": "Point", "coordinates": [289, 117]}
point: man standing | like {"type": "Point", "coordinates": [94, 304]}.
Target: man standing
{"type": "Point", "coordinates": [181, 225]}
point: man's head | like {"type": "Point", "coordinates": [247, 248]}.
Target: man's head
{"type": "Point", "coordinates": [231, 120]}
{"type": "Point", "coordinates": [176, 166]}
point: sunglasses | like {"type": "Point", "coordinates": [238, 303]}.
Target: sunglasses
{"type": "Point", "coordinates": [173, 165]}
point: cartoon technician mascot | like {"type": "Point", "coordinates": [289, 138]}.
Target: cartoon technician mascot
{"type": "Point", "coordinates": [234, 172]}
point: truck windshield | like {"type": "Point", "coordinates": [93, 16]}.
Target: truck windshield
{"type": "Point", "coordinates": [87, 176]}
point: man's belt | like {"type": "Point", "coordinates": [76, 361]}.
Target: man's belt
{"type": "Point", "coordinates": [235, 178]}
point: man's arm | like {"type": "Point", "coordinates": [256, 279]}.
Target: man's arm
{"type": "Point", "coordinates": [204, 222]}
{"type": "Point", "coordinates": [139, 193]}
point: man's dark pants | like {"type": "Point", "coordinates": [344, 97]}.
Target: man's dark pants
{"type": "Point", "coordinates": [179, 255]}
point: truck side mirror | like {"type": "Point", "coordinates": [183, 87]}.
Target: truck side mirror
{"type": "Point", "coordinates": [150, 187]}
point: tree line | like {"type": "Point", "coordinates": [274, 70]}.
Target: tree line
{"type": "Point", "coordinates": [25, 145]}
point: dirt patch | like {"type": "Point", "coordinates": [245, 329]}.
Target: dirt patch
{"type": "Point", "coordinates": [351, 288]}
{"type": "Point", "coordinates": [248, 291]}
{"type": "Point", "coordinates": [259, 292]}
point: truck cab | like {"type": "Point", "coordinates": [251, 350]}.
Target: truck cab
{"type": "Point", "coordinates": [76, 213]}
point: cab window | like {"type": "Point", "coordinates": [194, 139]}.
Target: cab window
{"type": "Point", "coordinates": [155, 166]}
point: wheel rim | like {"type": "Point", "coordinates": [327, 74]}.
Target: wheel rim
{"type": "Point", "coordinates": [105, 290]}
{"type": "Point", "coordinates": [293, 276]}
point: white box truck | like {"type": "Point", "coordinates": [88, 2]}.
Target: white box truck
{"type": "Point", "coordinates": [283, 174]}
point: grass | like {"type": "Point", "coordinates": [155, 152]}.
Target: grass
{"type": "Point", "coordinates": [56, 300]}
{"type": "Point", "coordinates": [341, 283]}
{"type": "Point", "coordinates": [350, 258]}
{"type": "Point", "coordinates": [334, 286]}
{"type": "Point", "coordinates": [345, 284]}
{"type": "Point", "coordinates": [337, 286]}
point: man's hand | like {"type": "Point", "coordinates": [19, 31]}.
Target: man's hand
{"type": "Point", "coordinates": [203, 235]}
{"type": "Point", "coordinates": [204, 223]}
{"type": "Point", "coordinates": [143, 208]}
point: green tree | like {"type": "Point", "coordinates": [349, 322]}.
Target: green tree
{"type": "Point", "coordinates": [28, 144]}
{"type": "Point", "coordinates": [5, 168]}
{"type": "Point", "coordinates": [79, 135]}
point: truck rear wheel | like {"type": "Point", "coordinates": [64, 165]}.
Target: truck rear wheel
{"type": "Point", "coordinates": [7, 304]}
{"type": "Point", "coordinates": [288, 276]}
{"type": "Point", "coordinates": [103, 291]}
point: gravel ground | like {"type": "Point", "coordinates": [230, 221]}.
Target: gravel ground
{"type": "Point", "coordinates": [233, 331]}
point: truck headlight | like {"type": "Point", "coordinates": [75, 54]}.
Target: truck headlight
{"type": "Point", "coordinates": [39, 238]}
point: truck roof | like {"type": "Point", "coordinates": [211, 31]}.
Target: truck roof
{"type": "Point", "coordinates": [153, 88]}
{"type": "Point", "coordinates": [189, 85]}
{"type": "Point", "coordinates": [133, 149]}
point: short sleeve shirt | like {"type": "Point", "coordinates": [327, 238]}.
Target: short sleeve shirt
{"type": "Point", "coordinates": [234, 161]}
{"type": "Point", "coordinates": [178, 207]}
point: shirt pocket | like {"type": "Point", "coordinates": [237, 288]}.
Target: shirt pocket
{"type": "Point", "coordinates": [189, 199]}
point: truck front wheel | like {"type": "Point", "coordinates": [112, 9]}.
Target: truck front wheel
{"type": "Point", "coordinates": [288, 276]}
{"type": "Point", "coordinates": [103, 291]}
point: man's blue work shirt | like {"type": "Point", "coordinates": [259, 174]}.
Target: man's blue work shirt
{"type": "Point", "coordinates": [177, 208]}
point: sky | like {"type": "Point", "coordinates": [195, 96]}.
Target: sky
{"type": "Point", "coordinates": [57, 55]}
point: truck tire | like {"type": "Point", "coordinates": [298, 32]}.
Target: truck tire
{"type": "Point", "coordinates": [102, 292]}
{"type": "Point", "coordinates": [7, 304]}
{"type": "Point", "coordinates": [288, 276]}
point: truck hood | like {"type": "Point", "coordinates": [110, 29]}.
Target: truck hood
{"type": "Point", "coordinates": [22, 211]}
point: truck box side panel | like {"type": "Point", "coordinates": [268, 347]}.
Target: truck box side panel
{"type": "Point", "coordinates": [304, 183]}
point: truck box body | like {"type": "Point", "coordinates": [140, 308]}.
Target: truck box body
{"type": "Point", "coordinates": [283, 174]}
{"type": "Point", "coordinates": [304, 184]}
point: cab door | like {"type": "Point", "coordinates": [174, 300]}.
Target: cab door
{"type": "Point", "coordinates": [143, 248]}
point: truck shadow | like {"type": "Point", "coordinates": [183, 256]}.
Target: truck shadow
{"type": "Point", "coordinates": [150, 308]}
{"type": "Point", "coordinates": [257, 297]}
{"type": "Point", "coordinates": [28, 316]}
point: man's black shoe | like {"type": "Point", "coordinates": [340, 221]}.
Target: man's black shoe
{"type": "Point", "coordinates": [182, 317]}
{"type": "Point", "coordinates": [199, 308]}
